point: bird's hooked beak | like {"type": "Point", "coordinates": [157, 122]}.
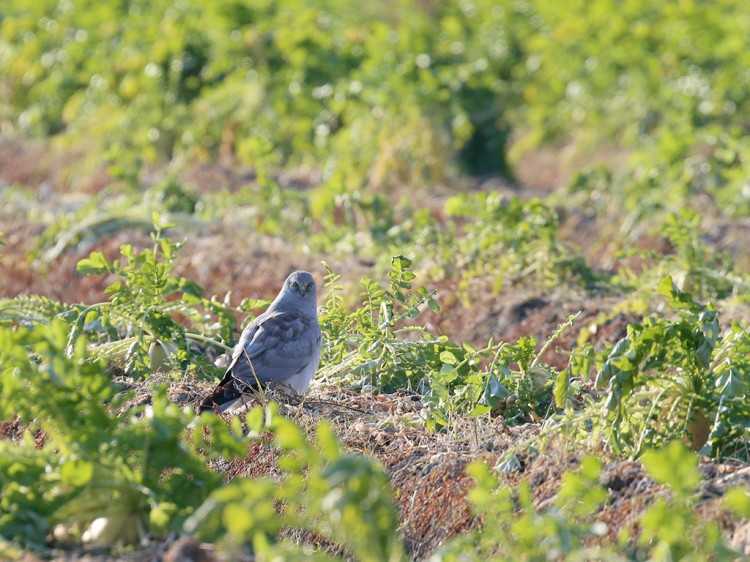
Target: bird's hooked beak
{"type": "Point", "coordinates": [304, 287]}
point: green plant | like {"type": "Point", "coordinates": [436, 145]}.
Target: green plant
{"type": "Point", "coordinates": [367, 346]}
{"type": "Point", "coordinates": [29, 310]}
{"type": "Point", "coordinates": [142, 325]}
{"type": "Point", "coordinates": [333, 89]}
{"type": "Point", "coordinates": [570, 528]}
{"type": "Point", "coordinates": [507, 241]}
{"type": "Point", "coordinates": [84, 446]}
{"type": "Point", "coordinates": [677, 378]}
{"type": "Point", "coordinates": [532, 389]}
{"type": "Point", "coordinates": [517, 530]}
{"type": "Point", "coordinates": [142, 308]}
{"type": "Point", "coordinates": [371, 345]}
{"type": "Point", "coordinates": [323, 490]}
{"type": "Point", "coordinates": [92, 467]}
{"type": "Point", "coordinates": [695, 267]}
{"type": "Point", "coordinates": [370, 104]}
{"type": "Point", "coordinates": [671, 528]}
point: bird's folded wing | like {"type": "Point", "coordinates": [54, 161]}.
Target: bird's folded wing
{"type": "Point", "coordinates": [279, 346]}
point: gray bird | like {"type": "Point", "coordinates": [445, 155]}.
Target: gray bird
{"type": "Point", "coordinates": [282, 346]}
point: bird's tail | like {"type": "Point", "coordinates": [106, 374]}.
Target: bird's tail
{"type": "Point", "coordinates": [228, 391]}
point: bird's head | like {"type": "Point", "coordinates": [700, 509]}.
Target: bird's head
{"type": "Point", "coordinates": [302, 284]}
{"type": "Point", "coordinates": [298, 293]}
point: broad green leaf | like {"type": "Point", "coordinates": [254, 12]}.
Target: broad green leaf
{"type": "Point", "coordinates": [328, 442]}
{"type": "Point", "coordinates": [495, 392]}
{"type": "Point", "coordinates": [508, 464]}
{"type": "Point", "coordinates": [448, 358]}
{"type": "Point", "coordinates": [561, 390]}
{"type": "Point", "coordinates": [76, 472]}
{"type": "Point", "coordinates": [289, 436]}
{"type": "Point", "coordinates": [674, 465]}
{"type": "Point", "coordinates": [95, 264]}
{"type": "Point", "coordinates": [677, 298]}
{"type": "Point", "coordinates": [239, 520]}
{"type": "Point", "coordinates": [738, 500]}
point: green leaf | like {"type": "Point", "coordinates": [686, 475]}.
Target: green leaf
{"type": "Point", "coordinates": [665, 522]}
{"type": "Point", "coordinates": [400, 263]}
{"type": "Point", "coordinates": [731, 383]}
{"type": "Point", "coordinates": [580, 492]}
{"type": "Point", "coordinates": [161, 516]}
{"type": "Point", "coordinates": [255, 419]}
{"type": "Point", "coordinates": [448, 357]}
{"type": "Point", "coordinates": [495, 392]}
{"type": "Point", "coordinates": [561, 390]}
{"type": "Point", "coordinates": [76, 472]}
{"type": "Point", "coordinates": [328, 442]}
{"type": "Point", "coordinates": [92, 315]}
{"type": "Point", "coordinates": [289, 435]}
{"type": "Point", "coordinates": [677, 298]}
{"type": "Point", "coordinates": [738, 500]}
{"type": "Point", "coordinates": [448, 374]}
{"type": "Point", "coordinates": [509, 463]}
{"type": "Point", "coordinates": [674, 465]}
{"type": "Point", "coordinates": [239, 521]}
{"type": "Point", "coordinates": [95, 264]}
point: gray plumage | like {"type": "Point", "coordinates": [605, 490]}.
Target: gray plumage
{"type": "Point", "coordinates": [281, 346]}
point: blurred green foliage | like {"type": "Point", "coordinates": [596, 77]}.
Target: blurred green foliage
{"type": "Point", "coordinates": [396, 92]}
{"type": "Point", "coordinates": [299, 82]}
